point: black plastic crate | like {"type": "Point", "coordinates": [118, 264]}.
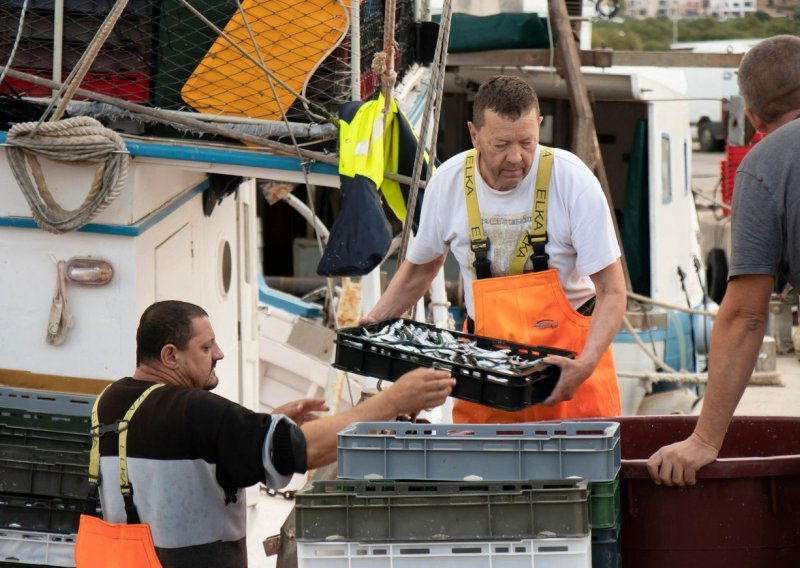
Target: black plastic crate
{"type": "Point", "coordinates": [358, 354]}
{"type": "Point", "coordinates": [35, 471]}
{"type": "Point", "coordinates": [22, 512]}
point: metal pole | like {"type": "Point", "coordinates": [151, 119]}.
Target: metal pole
{"type": "Point", "coordinates": [355, 51]}
{"type": "Point", "coordinates": [58, 42]}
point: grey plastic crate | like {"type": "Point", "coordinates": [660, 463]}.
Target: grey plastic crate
{"type": "Point", "coordinates": [29, 513]}
{"type": "Point", "coordinates": [36, 471]}
{"type": "Point", "coordinates": [371, 511]}
{"type": "Point", "coordinates": [489, 452]}
{"type": "Point", "coordinates": [46, 401]}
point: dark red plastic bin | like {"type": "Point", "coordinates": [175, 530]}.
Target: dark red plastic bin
{"type": "Point", "coordinates": [744, 511]}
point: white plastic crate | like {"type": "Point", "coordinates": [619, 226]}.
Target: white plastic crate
{"type": "Point", "coordinates": [40, 548]}
{"type": "Point", "coordinates": [538, 553]}
{"type": "Point", "coordinates": [487, 452]}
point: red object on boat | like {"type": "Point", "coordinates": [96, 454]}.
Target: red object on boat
{"type": "Point", "coordinates": [133, 87]}
{"type": "Point", "coordinates": [733, 157]}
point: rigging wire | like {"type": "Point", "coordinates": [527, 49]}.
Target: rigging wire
{"type": "Point", "coordinates": [434, 95]}
{"type": "Point", "coordinates": [73, 81]}
{"type": "Point", "coordinates": [16, 40]}
{"type": "Point", "coordinates": [323, 114]}
{"type": "Point", "coordinates": [305, 164]}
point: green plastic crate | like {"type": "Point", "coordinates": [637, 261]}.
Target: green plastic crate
{"type": "Point", "coordinates": [370, 511]}
{"type": "Point", "coordinates": [21, 418]}
{"type": "Point", "coordinates": [44, 438]}
{"type": "Point", "coordinates": [604, 504]}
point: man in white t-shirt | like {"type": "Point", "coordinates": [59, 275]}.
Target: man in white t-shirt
{"type": "Point", "coordinates": [533, 235]}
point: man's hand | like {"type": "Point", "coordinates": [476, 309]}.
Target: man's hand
{"type": "Point", "coordinates": [302, 411]}
{"type": "Point", "coordinates": [573, 373]}
{"type": "Point", "coordinates": [366, 320]}
{"type": "Point", "coordinates": [677, 464]}
{"type": "Point", "coordinates": [419, 389]}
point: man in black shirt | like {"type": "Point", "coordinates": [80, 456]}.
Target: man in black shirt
{"type": "Point", "coordinates": [190, 452]}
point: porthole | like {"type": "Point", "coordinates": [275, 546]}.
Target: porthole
{"type": "Point", "coordinates": [225, 267]}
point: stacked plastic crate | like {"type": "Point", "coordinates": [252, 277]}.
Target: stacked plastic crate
{"type": "Point", "coordinates": [44, 457]}
{"type": "Point", "coordinates": [121, 68]}
{"type": "Point", "coordinates": [411, 495]}
{"type": "Point", "coordinates": [733, 157]}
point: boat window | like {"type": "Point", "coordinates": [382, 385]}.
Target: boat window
{"type": "Point", "coordinates": [685, 166]}
{"type": "Point", "coordinates": [666, 170]}
{"type": "Point", "coordinates": [247, 259]}
{"type": "Point", "coordinates": [225, 267]}
{"type": "Point", "coordinates": [546, 129]}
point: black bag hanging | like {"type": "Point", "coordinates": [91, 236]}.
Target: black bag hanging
{"type": "Point", "coordinates": [360, 236]}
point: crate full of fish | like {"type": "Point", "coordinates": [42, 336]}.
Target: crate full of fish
{"type": "Point", "coordinates": [488, 371]}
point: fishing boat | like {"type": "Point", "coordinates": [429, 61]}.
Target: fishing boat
{"type": "Point", "coordinates": [200, 115]}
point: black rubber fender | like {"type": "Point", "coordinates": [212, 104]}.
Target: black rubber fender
{"type": "Point", "coordinates": [716, 274]}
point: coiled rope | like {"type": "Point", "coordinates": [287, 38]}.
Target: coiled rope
{"type": "Point", "coordinates": [79, 139]}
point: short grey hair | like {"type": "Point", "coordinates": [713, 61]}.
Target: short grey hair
{"type": "Point", "coordinates": [769, 77]}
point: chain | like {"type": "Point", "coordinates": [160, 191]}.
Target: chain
{"type": "Point", "coordinates": [288, 494]}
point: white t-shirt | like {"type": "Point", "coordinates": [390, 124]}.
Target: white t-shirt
{"type": "Point", "coordinates": [579, 227]}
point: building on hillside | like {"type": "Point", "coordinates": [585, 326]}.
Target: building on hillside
{"type": "Point", "coordinates": [682, 9]}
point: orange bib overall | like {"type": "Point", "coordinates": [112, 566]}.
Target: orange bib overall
{"type": "Point", "coordinates": [533, 309]}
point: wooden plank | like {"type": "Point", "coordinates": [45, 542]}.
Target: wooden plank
{"type": "Point", "coordinates": [583, 117]}
{"type": "Point", "coordinates": [57, 383]}
{"type": "Point", "coordinates": [594, 58]}
{"type": "Point", "coordinates": [584, 142]}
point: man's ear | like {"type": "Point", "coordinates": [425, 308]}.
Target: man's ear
{"type": "Point", "coordinates": [169, 356]}
{"type": "Point", "coordinates": [473, 133]}
{"type": "Point", "coordinates": [755, 120]}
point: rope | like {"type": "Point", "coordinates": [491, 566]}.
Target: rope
{"type": "Point", "coordinates": [434, 94]}
{"type": "Point", "coordinates": [86, 60]}
{"type": "Point", "coordinates": [79, 139]}
{"type": "Point", "coordinates": [761, 378]}
{"type": "Point", "coordinates": [684, 377]}
{"type": "Point", "coordinates": [385, 59]}
{"type": "Point", "coordinates": [60, 319]}
{"type": "Point", "coordinates": [647, 300]}
{"type": "Point", "coordinates": [650, 354]}
{"type": "Point", "coordinates": [16, 40]}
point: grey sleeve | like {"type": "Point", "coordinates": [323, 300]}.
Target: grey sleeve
{"type": "Point", "coordinates": [284, 451]}
{"type": "Point", "coordinates": [756, 230]}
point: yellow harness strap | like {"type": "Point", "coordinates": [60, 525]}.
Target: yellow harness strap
{"type": "Point", "coordinates": [122, 430]}
{"type": "Point", "coordinates": [533, 239]}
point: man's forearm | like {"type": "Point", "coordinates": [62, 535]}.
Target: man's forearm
{"type": "Point", "coordinates": [735, 344]}
{"type": "Point", "coordinates": [609, 308]}
{"type": "Point", "coordinates": [321, 434]}
{"type": "Point", "coordinates": [408, 285]}
{"type": "Point", "coordinates": [608, 312]}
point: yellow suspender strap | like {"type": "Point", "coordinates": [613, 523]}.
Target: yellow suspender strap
{"type": "Point", "coordinates": [94, 453]}
{"type": "Point", "coordinates": [534, 238]}
{"type": "Point", "coordinates": [531, 243]}
{"type": "Point", "coordinates": [122, 429]}
{"type": "Point", "coordinates": [478, 241]}
{"type": "Point", "coordinates": [124, 484]}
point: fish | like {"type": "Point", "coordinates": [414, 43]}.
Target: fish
{"type": "Point", "coordinates": [444, 346]}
